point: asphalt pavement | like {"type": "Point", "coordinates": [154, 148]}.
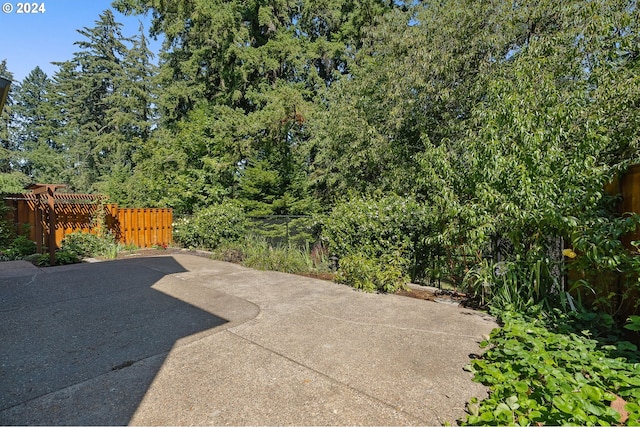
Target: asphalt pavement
{"type": "Point", "coordinates": [184, 340]}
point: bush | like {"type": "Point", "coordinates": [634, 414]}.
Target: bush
{"type": "Point", "coordinates": [7, 230]}
{"type": "Point", "coordinates": [19, 248]}
{"type": "Point", "coordinates": [368, 274]}
{"type": "Point", "coordinates": [377, 227]}
{"type": "Point", "coordinates": [84, 245]}
{"type": "Point", "coordinates": [63, 257]}
{"type": "Point", "coordinates": [209, 227]}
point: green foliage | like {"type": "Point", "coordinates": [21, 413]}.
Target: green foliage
{"type": "Point", "coordinates": [19, 248]}
{"type": "Point", "coordinates": [633, 323]}
{"type": "Point", "coordinates": [486, 118]}
{"type": "Point", "coordinates": [63, 257]}
{"type": "Point", "coordinates": [385, 274]}
{"type": "Point", "coordinates": [256, 252]}
{"type": "Point", "coordinates": [35, 129]}
{"type": "Point", "coordinates": [12, 245]}
{"type": "Point", "coordinates": [489, 112]}
{"type": "Point", "coordinates": [209, 227]}
{"type": "Point", "coordinates": [358, 271]}
{"type": "Point", "coordinates": [514, 285]}
{"type": "Point", "coordinates": [255, 70]}
{"type": "Point", "coordinates": [6, 116]}
{"type": "Point", "coordinates": [297, 231]}
{"type": "Point", "coordinates": [539, 376]}
{"type": "Point", "coordinates": [102, 99]}
{"type": "Point", "coordinates": [262, 256]}
{"type": "Point", "coordinates": [378, 227]}
{"type": "Point", "coordinates": [7, 231]}
{"type": "Point", "coordinates": [83, 245]}
{"type": "Point", "coordinates": [602, 259]}
{"type": "Point", "coordinates": [13, 183]}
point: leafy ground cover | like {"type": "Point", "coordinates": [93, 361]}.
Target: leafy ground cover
{"type": "Point", "coordinates": [550, 371]}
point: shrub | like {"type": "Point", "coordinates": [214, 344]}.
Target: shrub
{"type": "Point", "coordinates": [184, 233]}
{"type": "Point", "coordinates": [84, 245]}
{"type": "Point", "coordinates": [19, 248]}
{"type": "Point", "coordinates": [368, 274]}
{"type": "Point", "coordinates": [64, 257]}
{"type": "Point", "coordinates": [7, 230]}
{"type": "Point", "coordinates": [377, 227]}
{"type": "Point", "coordinates": [209, 227]}
{"type": "Point", "coordinates": [358, 271]}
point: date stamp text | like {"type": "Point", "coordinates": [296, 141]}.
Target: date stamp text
{"type": "Point", "coordinates": [31, 8]}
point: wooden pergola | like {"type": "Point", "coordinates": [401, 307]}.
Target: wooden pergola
{"type": "Point", "coordinates": [41, 191]}
{"type": "Point", "coordinates": [45, 200]}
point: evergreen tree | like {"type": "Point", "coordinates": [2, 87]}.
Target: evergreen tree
{"type": "Point", "coordinates": [104, 97]}
{"type": "Point", "coordinates": [133, 117]}
{"type": "Point", "coordinates": [260, 66]}
{"type": "Point", "coordinates": [36, 129]}
{"type": "Point", "coordinates": [11, 180]}
{"type": "Point", "coordinates": [6, 118]}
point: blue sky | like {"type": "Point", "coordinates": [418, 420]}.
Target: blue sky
{"type": "Point", "coordinates": [30, 40]}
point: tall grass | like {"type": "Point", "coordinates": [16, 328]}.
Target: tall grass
{"type": "Point", "coordinates": [510, 285]}
{"type": "Point", "coordinates": [256, 252]}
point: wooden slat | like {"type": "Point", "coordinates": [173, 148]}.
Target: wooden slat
{"type": "Point", "coordinates": [141, 227]}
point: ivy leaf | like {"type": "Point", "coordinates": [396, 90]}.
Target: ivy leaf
{"type": "Point", "coordinates": [521, 387]}
{"type": "Point", "coordinates": [592, 393]}
{"type": "Point", "coordinates": [512, 403]}
{"type": "Point", "coordinates": [563, 404]}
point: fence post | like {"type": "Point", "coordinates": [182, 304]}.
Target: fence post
{"type": "Point", "coordinates": [38, 224]}
{"type": "Point", "coordinates": [52, 226]}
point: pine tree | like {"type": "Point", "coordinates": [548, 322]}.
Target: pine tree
{"type": "Point", "coordinates": [132, 116]}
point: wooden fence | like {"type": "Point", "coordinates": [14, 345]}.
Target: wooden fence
{"type": "Point", "coordinates": [628, 187]}
{"type": "Point", "coordinates": [610, 285]}
{"type": "Point", "coordinates": [86, 213]}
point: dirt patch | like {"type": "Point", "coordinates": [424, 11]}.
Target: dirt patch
{"type": "Point", "coordinates": [441, 296]}
{"type": "Point", "coordinates": [417, 293]}
{"type": "Point", "coordinates": [321, 275]}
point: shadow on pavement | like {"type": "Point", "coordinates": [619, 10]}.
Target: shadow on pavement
{"type": "Point", "coordinates": [81, 344]}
